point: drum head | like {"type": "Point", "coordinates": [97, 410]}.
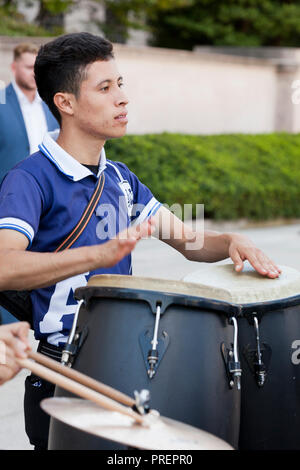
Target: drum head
{"type": "Point", "coordinates": [222, 282]}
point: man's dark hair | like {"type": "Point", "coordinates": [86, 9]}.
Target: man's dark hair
{"type": "Point", "coordinates": [61, 64]}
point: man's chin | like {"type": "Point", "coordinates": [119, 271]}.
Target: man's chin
{"type": "Point", "coordinates": [26, 86]}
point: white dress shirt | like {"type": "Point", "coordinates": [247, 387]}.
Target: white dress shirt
{"type": "Point", "coordinates": [34, 118]}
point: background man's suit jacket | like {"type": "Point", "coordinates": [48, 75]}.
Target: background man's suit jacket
{"type": "Point", "coordinates": [14, 144]}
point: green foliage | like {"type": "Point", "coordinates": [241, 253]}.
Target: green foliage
{"type": "Point", "coordinates": [234, 176]}
{"type": "Point", "coordinates": [56, 7]}
{"type": "Point", "coordinates": [13, 24]}
{"type": "Point", "coordinates": [124, 14]}
{"type": "Point", "coordinates": [229, 23]}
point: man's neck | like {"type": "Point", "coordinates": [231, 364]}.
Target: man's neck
{"type": "Point", "coordinates": [85, 149]}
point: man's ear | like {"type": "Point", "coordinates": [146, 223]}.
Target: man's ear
{"type": "Point", "coordinates": [64, 103]}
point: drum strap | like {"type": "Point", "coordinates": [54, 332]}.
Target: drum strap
{"type": "Point", "coordinates": [84, 220]}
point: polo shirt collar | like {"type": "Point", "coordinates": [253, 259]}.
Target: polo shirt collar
{"type": "Point", "coordinates": [67, 164]}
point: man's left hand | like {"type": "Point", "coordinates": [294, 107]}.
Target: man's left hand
{"type": "Point", "coordinates": [241, 249]}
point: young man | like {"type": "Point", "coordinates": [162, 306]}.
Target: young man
{"type": "Point", "coordinates": [43, 197]}
{"type": "Point", "coordinates": [24, 118]}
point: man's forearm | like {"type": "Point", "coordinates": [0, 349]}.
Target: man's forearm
{"type": "Point", "coordinates": [214, 247]}
{"type": "Point", "coordinates": [24, 270]}
{"type": "Point", "coordinates": [20, 270]}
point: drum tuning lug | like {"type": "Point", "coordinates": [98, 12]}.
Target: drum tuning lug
{"type": "Point", "coordinates": [261, 374]}
{"type": "Point", "coordinates": [259, 367]}
{"type": "Point", "coordinates": [235, 372]}
{"type": "Point", "coordinates": [152, 361]}
{"type": "Point", "coordinates": [234, 365]}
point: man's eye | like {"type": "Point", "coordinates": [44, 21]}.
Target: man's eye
{"type": "Point", "coordinates": [105, 88]}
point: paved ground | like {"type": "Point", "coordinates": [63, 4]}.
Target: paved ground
{"type": "Point", "coordinates": [153, 259]}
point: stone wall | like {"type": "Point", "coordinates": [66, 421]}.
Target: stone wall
{"type": "Point", "coordinates": [200, 92]}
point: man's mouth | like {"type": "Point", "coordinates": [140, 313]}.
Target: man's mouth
{"type": "Point", "coordinates": [122, 117]}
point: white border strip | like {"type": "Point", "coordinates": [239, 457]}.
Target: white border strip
{"type": "Point", "coordinates": [19, 225]}
{"type": "Point", "coordinates": [150, 209]}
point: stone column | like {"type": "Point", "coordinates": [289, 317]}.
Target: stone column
{"type": "Point", "coordinates": [286, 119]}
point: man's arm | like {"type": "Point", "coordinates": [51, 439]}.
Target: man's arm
{"type": "Point", "coordinates": [211, 246]}
{"type": "Point", "coordinates": [23, 270]}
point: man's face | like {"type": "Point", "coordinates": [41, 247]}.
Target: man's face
{"type": "Point", "coordinates": [23, 70]}
{"type": "Point", "coordinates": [100, 109]}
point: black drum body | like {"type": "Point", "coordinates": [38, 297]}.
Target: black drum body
{"type": "Point", "coordinates": [190, 384]}
{"type": "Point", "coordinates": [270, 413]}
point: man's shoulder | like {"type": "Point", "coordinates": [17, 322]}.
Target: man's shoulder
{"type": "Point", "coordinates": [35, 164]}
{"type": "Point", "coordinates": [118, 166]}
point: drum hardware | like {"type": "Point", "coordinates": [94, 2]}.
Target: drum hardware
{"type": "Point", "coordinates": [231, 358]}
{"type": "Point", "coordinates": [142, 400]}
{"type": "Point", "coordinates": [260, 370]}
{"type": "Point", "coordinates": [258, 359]}
{"type": "Point", "coordinates": [157, 354]}
{"type": "Point", "coordinates": [153, 353]}
{"type": "Point", "coordinates": [74, 341]}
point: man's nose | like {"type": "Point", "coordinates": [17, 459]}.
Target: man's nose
{"type": "Point", "coordinates": [122, 98]}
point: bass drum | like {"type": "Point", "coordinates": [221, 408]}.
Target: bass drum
{"type": "Point", "coordinates": [269, 347]}
{"type": "Point", "coordinates": [190, 383]}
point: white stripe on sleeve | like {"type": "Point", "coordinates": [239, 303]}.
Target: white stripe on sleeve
{"type": "Point", "coordinates": [19, 225]}
{"type": "Point", "coordinates": [150, 209]}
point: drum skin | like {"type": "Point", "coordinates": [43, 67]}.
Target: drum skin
{"type": "Point", "coordinates": [190, 384]}
{"type": "Point", "coordinates": [270, 415]}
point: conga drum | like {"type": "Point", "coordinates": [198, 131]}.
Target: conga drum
{"type": "Point", "coordinates": [167, 337]}
{"type": "Point", "coordinates": [269, 348]}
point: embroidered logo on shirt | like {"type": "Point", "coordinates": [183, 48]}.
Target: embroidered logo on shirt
{"type": "Point", "coordinates": [128, 193]}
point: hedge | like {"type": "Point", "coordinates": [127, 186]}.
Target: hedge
{"type": "Point", "coordinates": [234, 176]}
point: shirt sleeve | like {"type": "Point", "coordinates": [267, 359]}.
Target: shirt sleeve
{"type": "Point", "coordinates": [21, 203]}
{"type": "Point", "coordinates": [145, 204]}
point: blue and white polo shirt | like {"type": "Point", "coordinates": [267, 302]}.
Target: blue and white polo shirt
{"type": "Point", "coordinates": [44, 197]}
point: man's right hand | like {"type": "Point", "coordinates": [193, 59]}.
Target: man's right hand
{"type": "Point", "coordinates": [114, 250]}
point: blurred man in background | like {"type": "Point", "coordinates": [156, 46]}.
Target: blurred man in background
{"type": "Point", "coordinates": [24, 119]}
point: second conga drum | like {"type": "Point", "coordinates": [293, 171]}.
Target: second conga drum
{"type": "Point", "coordinates": [268, 312]}
{"type": "Point", "coordinates": [187, 372]}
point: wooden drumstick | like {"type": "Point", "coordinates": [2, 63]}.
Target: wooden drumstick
{"type": "Point", "coordinates": [83, 379]}
{"type": "Point", "coordinates": [79, 389]}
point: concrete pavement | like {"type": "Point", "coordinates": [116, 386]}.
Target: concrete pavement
{"type": "Point", "coordinates": [151, 258]}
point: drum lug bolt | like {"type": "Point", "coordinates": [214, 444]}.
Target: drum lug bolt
{"type": "Point", "coordinates": [234, 365]}
{"type": "Point", "coordinates": [260, 369]}
{"type": "Point", "coordinates": [153, 353]}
